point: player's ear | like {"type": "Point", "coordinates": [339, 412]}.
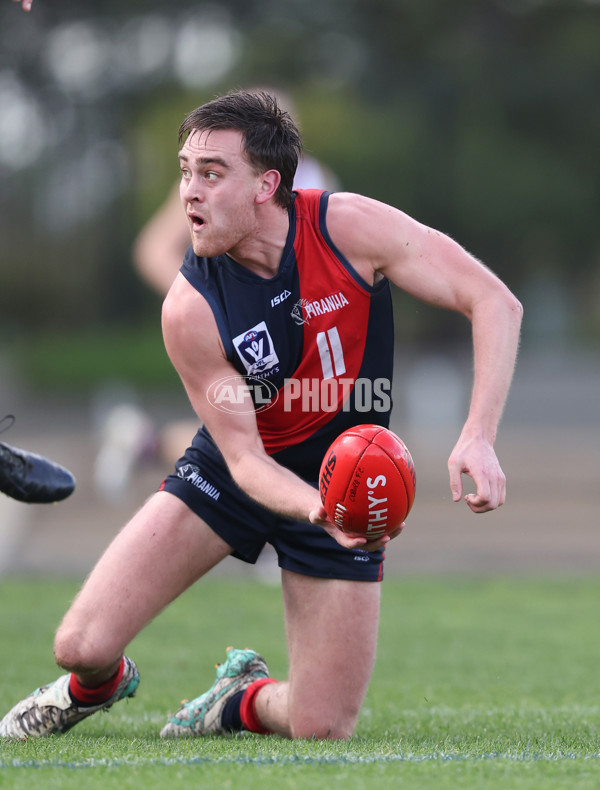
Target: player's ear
{"type": "Point", "coordinates": [269, 183]}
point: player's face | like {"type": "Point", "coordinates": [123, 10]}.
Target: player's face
{"type": "Point", "coordinates": [218, 191]}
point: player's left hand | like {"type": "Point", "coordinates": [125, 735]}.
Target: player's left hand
{"type": "Point", "coordinates": [476, 458]}
{"type": "Point", "coordinates": [25, 3]}
{"type": "Point", "coordinates": [320, 517]}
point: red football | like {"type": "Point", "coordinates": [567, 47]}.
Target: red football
{"type": "Point", "coordinates": [367, 481]}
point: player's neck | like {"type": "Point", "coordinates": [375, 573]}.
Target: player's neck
{"type": "Point", "coordinates": [261, 251]}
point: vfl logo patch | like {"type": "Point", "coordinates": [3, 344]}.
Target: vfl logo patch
{"type": "Point", "coordinates": [255, 349]}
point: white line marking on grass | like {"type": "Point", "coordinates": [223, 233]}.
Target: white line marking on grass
{"type": "Point", "coordinates": [299, 760]}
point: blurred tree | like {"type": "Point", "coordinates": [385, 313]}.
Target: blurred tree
{"type": "Point", "coordinates": [479, 117]}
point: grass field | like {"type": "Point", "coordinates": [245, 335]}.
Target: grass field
{"type": "Point", "coordinates": [479, 683]}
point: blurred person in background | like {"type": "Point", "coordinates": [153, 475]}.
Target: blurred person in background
{"type": "Point", "coordinates": [252, 301]}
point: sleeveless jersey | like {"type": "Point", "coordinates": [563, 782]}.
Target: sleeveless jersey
{"type": "Point", "coordinates": [314, 342]}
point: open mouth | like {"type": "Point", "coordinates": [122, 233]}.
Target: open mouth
{"type": "Point", "coordinates": [196, 221]}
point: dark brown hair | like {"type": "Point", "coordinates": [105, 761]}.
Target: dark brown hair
{"type": "Point", "coordinates": [271, 138]}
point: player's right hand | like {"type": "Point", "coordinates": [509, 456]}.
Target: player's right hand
{"type": "Point", "coordinates": [319, 516]}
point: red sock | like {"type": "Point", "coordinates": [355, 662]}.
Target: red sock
{"type": "Point", "coordinates": [98, 695]}
{"type": "Point", "coordinates": [247, 710]}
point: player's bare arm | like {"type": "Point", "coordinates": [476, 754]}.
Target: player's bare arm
{"type": "Point", "coordinates": [26, 4]}
{"type": "Point", "coordinates": [192, 341]}
{"type": "Point", "coordinates": [159, 247]}
{"type": "Point", "coordinates": [380, 240]}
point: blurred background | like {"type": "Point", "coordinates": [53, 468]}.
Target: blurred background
{"type": "Point", "coordinates": [478, 117]}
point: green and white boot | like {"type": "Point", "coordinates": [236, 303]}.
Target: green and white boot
{"type": "Point", "coordinates": [203, 715]}
{"type": "Point", "coordinates": [50, 709]}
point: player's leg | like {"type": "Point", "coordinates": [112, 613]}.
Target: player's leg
{"type": "Point", "coordinates": [332, 633]}
{"type": "Point", "coordinates": [162, 551]}
{"type": "Point", "coordinates": [331, 629]}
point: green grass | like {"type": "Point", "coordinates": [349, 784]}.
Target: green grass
{"type": "Point", "coordinates": [489, 683]}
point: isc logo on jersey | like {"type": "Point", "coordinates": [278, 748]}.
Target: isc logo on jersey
{"type": "Point", "coordinates": [280, 298]}
{"type": "Point", "coordinates": [255, 349]}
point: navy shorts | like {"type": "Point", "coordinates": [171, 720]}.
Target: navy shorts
{"type": "Point", "coordinates": [202, 480]}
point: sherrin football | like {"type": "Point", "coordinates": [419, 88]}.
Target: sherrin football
{"type": "Point", "coordinates": [367, 481]}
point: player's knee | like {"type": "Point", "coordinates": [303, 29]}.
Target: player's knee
{"type": "Point", "coordinates": [75, 652]}
{"type": "Point", "coordinates": [69, 651]}
{"type": "Point", "coordinates": [323, 728]}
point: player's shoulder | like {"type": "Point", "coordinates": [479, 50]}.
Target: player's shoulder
{"type": "Point", "coordinates": [352, 212]}
{"type": "Point", "coordinates": [184, 305]}
{"type": "Point", "coordinates": [352, 202]}
{"type": "Point", "coordinates": [358, 224]}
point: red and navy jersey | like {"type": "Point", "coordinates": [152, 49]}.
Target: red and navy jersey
{"type": "Point", "coordinates": [315, 342]}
